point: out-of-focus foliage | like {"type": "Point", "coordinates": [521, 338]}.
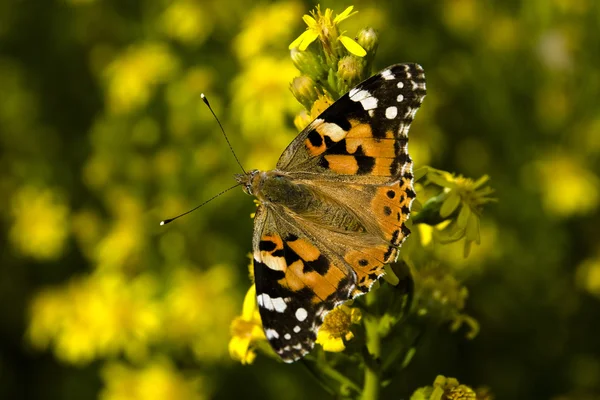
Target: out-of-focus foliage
{"type": "Point", "coordinates": [103, 134]}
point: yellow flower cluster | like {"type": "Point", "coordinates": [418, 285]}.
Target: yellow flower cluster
{"type": "Point", "coordinates": [107, 314]}
{"type": "Point", "coordinates": [450, 389]}
{"type": "Point", "coordinates": [336, 328]}
{"type": "Point", "coordinates": [40, 226]}
{"type": "Point", "coordinates": [157, 380]}
{"type": "Point", "coordinates": [246, 331]}
{"type": "Point", "coordinates": [96, 316]}
{"type": "Point", "coordinates": [132, 76]}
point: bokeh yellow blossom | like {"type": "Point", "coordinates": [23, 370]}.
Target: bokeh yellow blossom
{"type": "Point", "coordinates": [266, 27]}
{"type": "Point", "coordinates": [157, 380]}
{"type": "Point", "coordinates": [187, 21]}
{"type": "Point", "coordinates": [96, 316]}
{"type": "Point", "coordinates": [40, 226]}
{"type": "Point", "coordinates": [198, 309]}
{"type": "Point", "coordinates": [133, 74]}
{"type": "Point", "coordinates": [567, 186]}
{"type": "Point", "coordinates": [336, 328]}
{"type": "Point", "coordinates": [246, 330]}
{"type": "Point", "coordinates": [263, 103]}
{"type": "Point", "coordinates": [122, 244]}
{"type": "Point", "coordinates": [588, 276]}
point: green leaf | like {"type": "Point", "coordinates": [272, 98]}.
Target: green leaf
{"type": "Point", "coordinates": [440, 180]}
{"type": "Point", "coordinates": [449, 235]}
{"type": "Point", "coordinates": [420, 173]}
{"type": "Point", "coordinates": [472, 230]}
{"type": "Point", "coordinates": [463, 216]}
{"type": "Point", "coordinates": [467, 249]}
{"type": "Point", "coordinates": [450, 204]}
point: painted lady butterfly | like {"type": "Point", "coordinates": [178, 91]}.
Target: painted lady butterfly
{"type": "Point", "coordinates": [333, 212]}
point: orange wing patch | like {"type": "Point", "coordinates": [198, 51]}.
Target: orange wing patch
{"type": "Point", "coordinates": [391, 207]}
{"type": "Point", "coordinates": [342, 164]}
{"type": "Point", "coordinates": [372, 147]}
{"type": "Point", "coordinates": [303, 265]}
{"type": "Point", "coordinates": [368, 265]}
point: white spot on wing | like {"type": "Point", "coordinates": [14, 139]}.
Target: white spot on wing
{"type": "Point", "coordinates": [333, 131]}
{"type": "Point", "coordinates": [279, 304]}
{"type": "Point", "coordinates": [271, 334]}
{"type": "Point", "coordinates": [296, 329]}
{"type": "Point", "coordinates": [264, 300]}
{"type": "Point", "coordinates": [301, 314]}
{"type": "Point", "coordinates": [287, 336]}
{"type": "Point", "coordinates": [370, 103]}
{"type": "Point", "coordinates": [391, 112]}
{"type": "Point", "coordinates": [400, 85]}
{"type": "Point", "coordinates": [358, 95]}
{"type": "Point", "coordinates": [387, 75]}
{"type": "Point", "coordinates": [399, 98]}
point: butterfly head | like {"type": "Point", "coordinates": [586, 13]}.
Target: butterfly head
{"type": "Point", "coordinates": [249, 181]}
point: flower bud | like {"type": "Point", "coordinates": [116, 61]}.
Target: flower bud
{"type": "Point", "coordinates": [368, 39]}
{"type": "Point", "coordinates": [304, 90]}
{"type": "Point", "coordinates": [350, 69]}
{"type": "Point", "coordinates": [308, 63]}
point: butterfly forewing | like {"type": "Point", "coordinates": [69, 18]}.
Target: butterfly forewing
{"type": "Point", "coordinates": [365, 132]}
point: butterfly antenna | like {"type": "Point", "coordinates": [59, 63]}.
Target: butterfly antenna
{"type": "Point", "coordinates": [205, 100]}
{"type": "Point", "coordinates": [166, 221]}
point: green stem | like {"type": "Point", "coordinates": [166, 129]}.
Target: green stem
{"type": "Point", "coordinates": [320, 369]}
{"type": "Point", "coordinates": [335, 374]}
{"type": "Point", "coordinates": [372, 371]}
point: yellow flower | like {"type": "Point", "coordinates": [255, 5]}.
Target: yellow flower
{"type": "Point", "coordinates": [187, 22]}
{"type": "Point", "coordinates": [246, 330]}
{"type": "Point", "coordinates": [265, 27]}
{"type": "Point", "coordinates": [324, 27]}
{"type": "Point", "coordinates": [449, 389]}
{"type": "Point", "coordinates": [132, 76]}
{"type": "Point", "coordinates": [456, 211]}
{"type": "Point", "coordinates": [96, 316]}
{"type": "Point", "coordinates": [199, 308]}
{"type": "Point", "coordinates": [40, 226]}
{"type": "Point", "coordinates": [558, 174]}
{"type": "Point", "coordinates": [157, 380]}
{"type": "Point", "coordinates": [262, 102]}
{"type": "Point", "coordinates": [336, 328]}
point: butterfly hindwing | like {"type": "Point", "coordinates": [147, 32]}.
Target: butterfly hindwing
{"type": "Point", "coordinates": [297, 283]}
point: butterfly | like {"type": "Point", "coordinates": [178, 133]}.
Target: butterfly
{"type": "Point", "coordinates": [334, 210]}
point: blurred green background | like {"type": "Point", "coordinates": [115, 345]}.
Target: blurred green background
{"type": "Point", "coordinates": [103, 134]}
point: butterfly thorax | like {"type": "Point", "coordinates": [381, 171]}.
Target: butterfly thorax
{"type": "Point", "coordinates": [277, 189]}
